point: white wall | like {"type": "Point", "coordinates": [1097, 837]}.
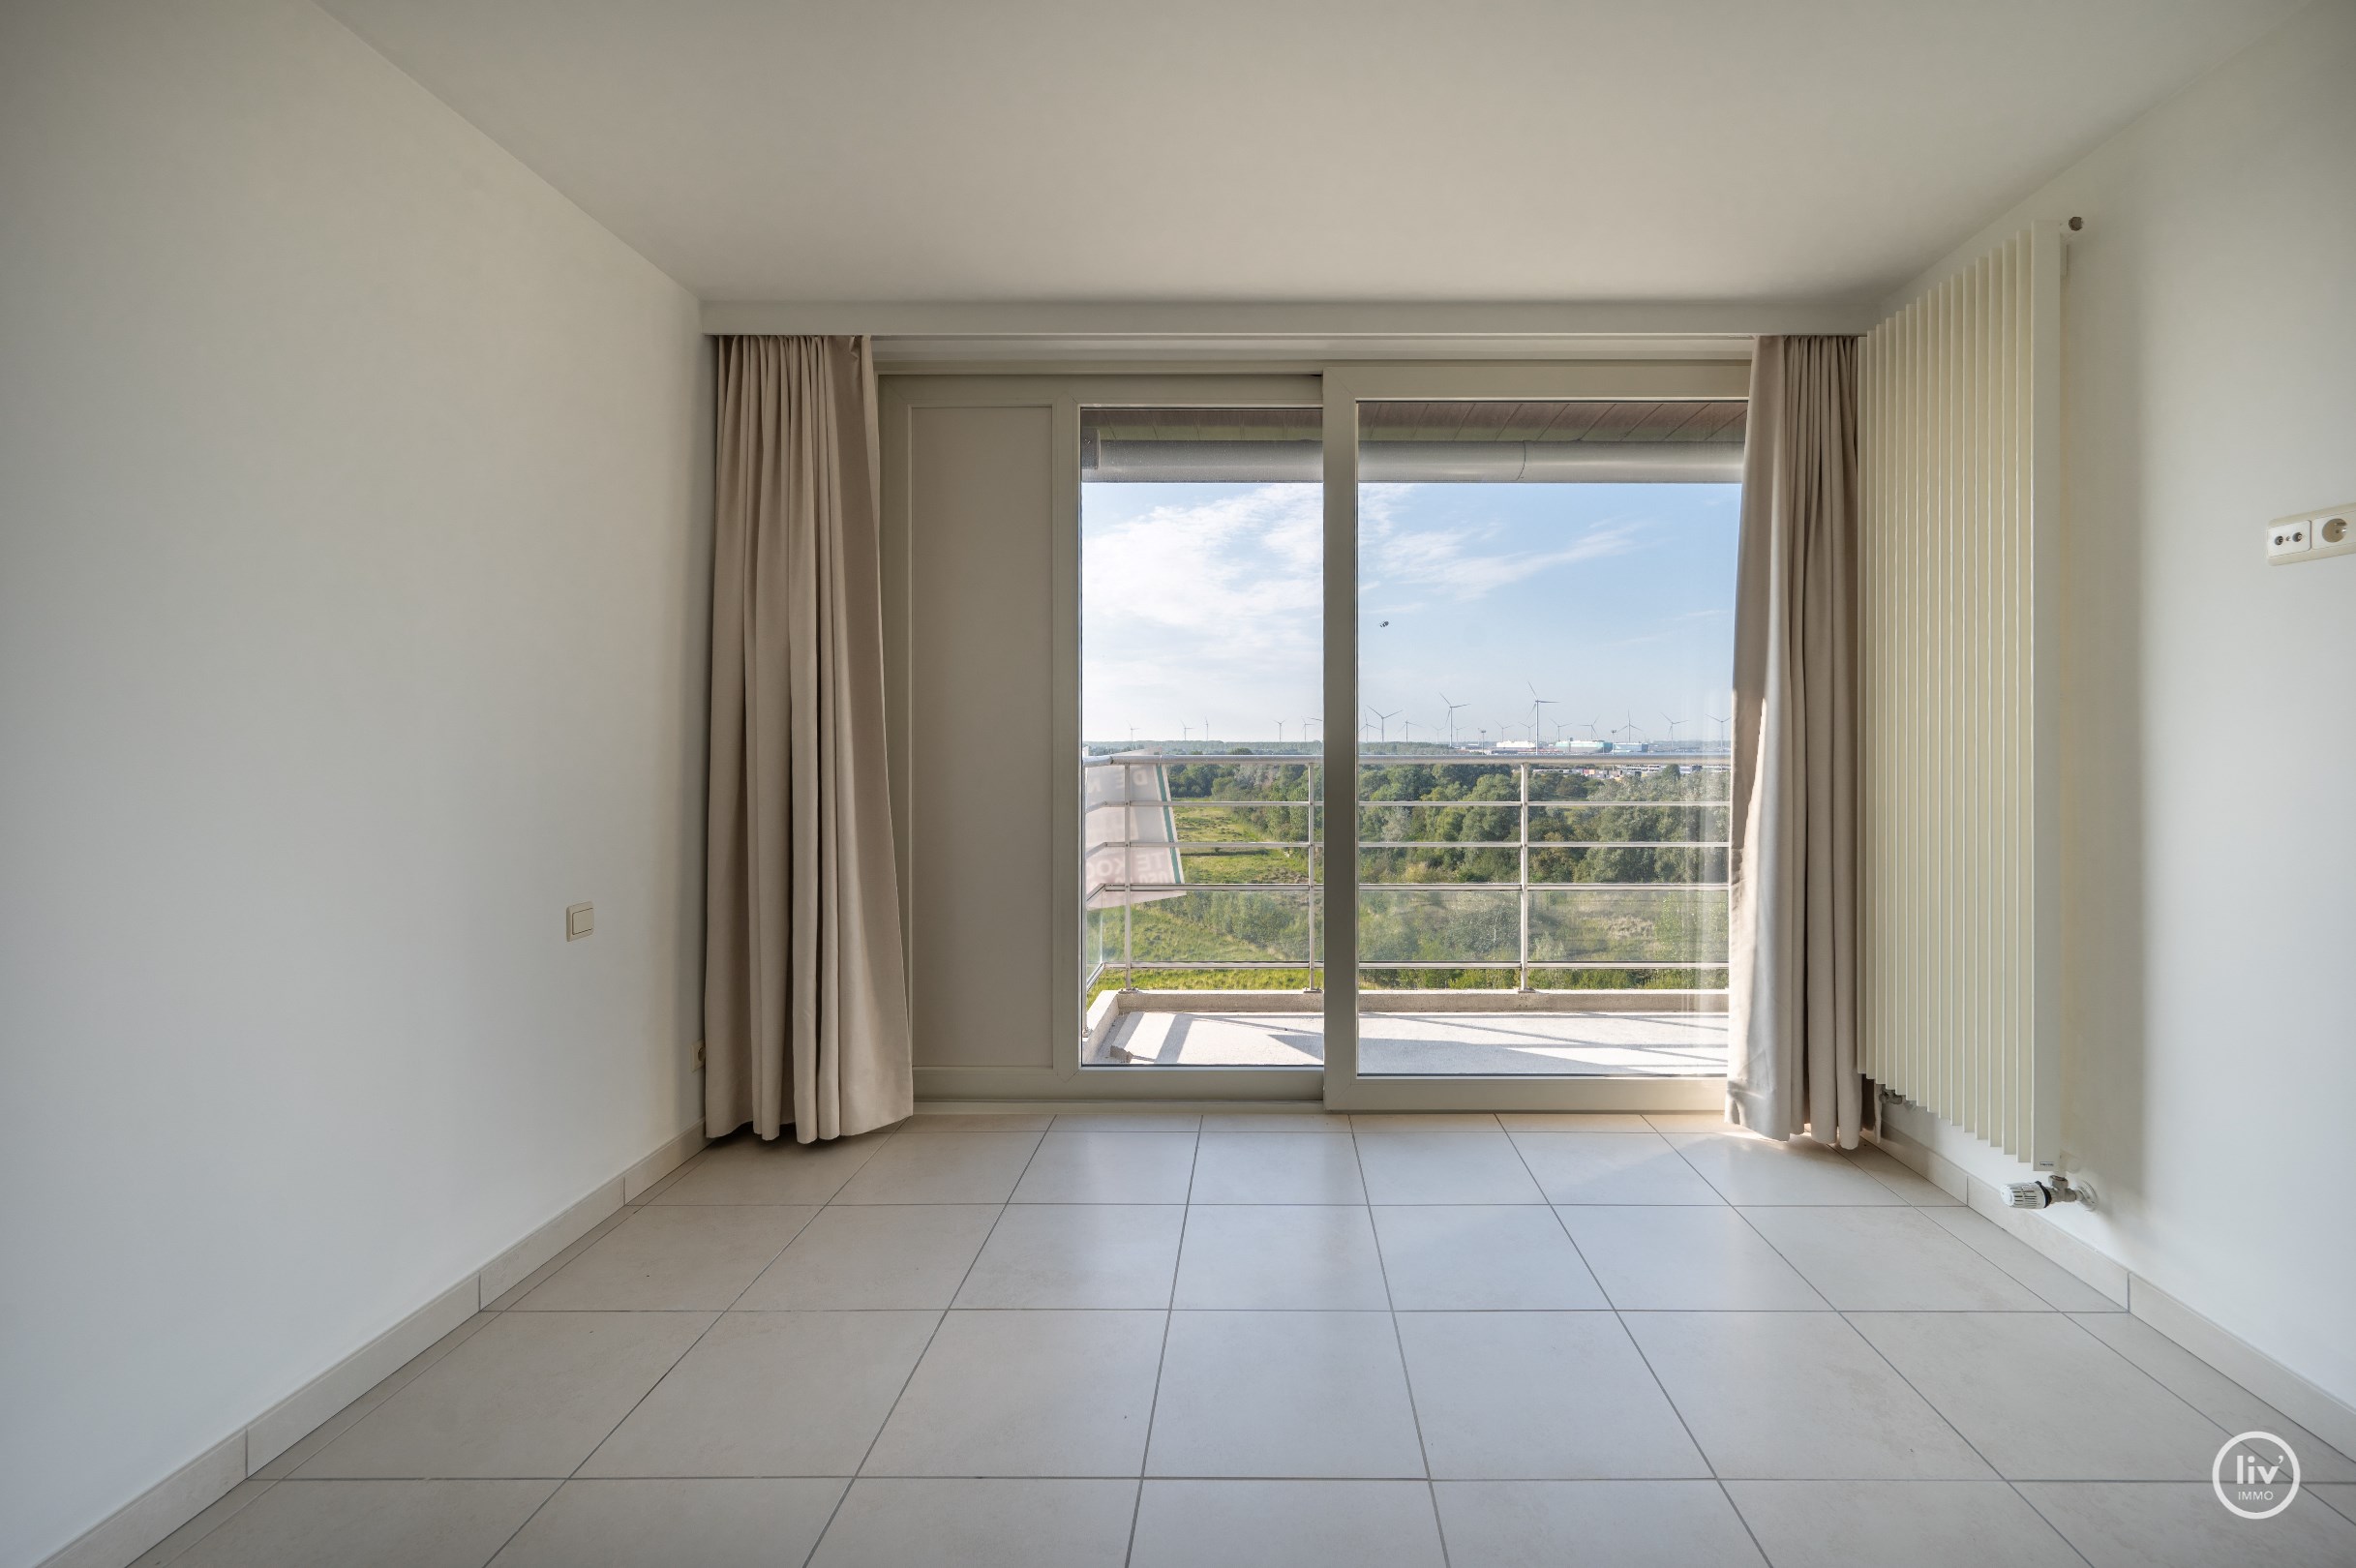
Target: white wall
{"type": "Point", "coordinates": [2211, 776]}
{"type": "Point", "coordinates": [350, 628]}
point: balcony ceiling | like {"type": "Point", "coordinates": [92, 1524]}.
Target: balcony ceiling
{"type": "Point", "coordinates": [1013, 152]}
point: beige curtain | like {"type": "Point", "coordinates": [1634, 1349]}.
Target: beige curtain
{"type": "Point", "coordinates": [1794, 1059]}
{"type": "Point", "coordinates": [806, 999]}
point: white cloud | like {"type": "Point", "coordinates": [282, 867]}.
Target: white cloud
{"type": "Point", "coordinates": [1451, 561]}
{"type": "Point", "coordinates": [1220, 602]}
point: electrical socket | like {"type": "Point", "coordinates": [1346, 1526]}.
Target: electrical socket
{"type": "Point", "coordinates": [2311, 535]}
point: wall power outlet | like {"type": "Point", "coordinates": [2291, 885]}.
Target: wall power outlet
{"type": "Point", "coordinates": [2311, 535]}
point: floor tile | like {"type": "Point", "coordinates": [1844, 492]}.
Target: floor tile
{"type": "Point", "coordinates": [1796, 1396]}
{"type": "Point", "coordinates": [1889, 1260]}
{"type": "Point", "coordinates": [1275, 1256]}
{"type": "Point", "coordinates": [1287, 1524]}
{"type": "Point", "coordinates": [513, 1296]}
{"type": "Point", "coordinates": [943, 1168]}
{"type": "Point", "coordinates": [1423, 1121]}
{"type": "Point", "coordinates": [771, 1394]}
{"type": "Point", "coordinates": [1539, 1397]}
{"type": "Point", "coordinates": [2132, 1524]}
{"type": "Point", "coordinates": [1078, 1255]}
{"type": "Point", "coordinates": [217, 1512]}
{"type": "Point", "coordinates": [343, 1421]}
{"type": "Point", "coordinates": [2044, 1400]}
{"type": "Point", "coordinates": [1276, 1168]}
{"type": "Point", "coordinates": [1874, 1524]}
{"type": "Point", "coordinates": [1298, 1395]}
{"type": "Point", "coordinates": [1761, 1171]}
{"type": "Point", "coordinates": [1660, 1258]}
{"type": "Point", "coordinates": [746, 1170]}
{"type": "Point", "coordinates": [978, 1122]}
{"type": "Point", "coordinates": [1444, 1167]}
{"type": "Point", "coordinates": [2212, 1394]}
{"type": "Point", "coordinates": [1900, 1178]}
{"type": "Point", "coordinates": [1275, 1122]}
{"type": "Point", "coordinates": [530, 1396]}
{"type": "Point", "coordinates": [2341, 1494]}
{"type": "Point", "coordinates": [696, 1257]}
{"type": "Point", "coordinates": [1148, 1121]}
{"type": "Point", "coordinates": [1591, 1524]}
{"type": "Point", "coordinates": [1610, 1167]}
{"type": "Point", "coordinates": [370, 1525]}
{"type": "Point", "coordinates": [1573, 1122]}
{"type": "Point", "coordinates": [1440, 1257]}
{"type": "Point", "coordinates": [1087, 1166]}
{"type": "Point", "coordinates": [865, 1256]}
{"type": "Point", "coordinates": [2054, 1284]}
{"type": "Point", "coordinates": [886, 1523]}
{"type": "Point", "coordinates": [1027, 1393]}
{"type": "Point", "coordinates": [732, 1523]}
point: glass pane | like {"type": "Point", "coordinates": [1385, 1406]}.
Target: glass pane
{"type": "Point", "coordinates": [1628, 926]}
{"type": "Point", "coordinates": [1439, 926]}
{"type": "Point", "coordinates": [1545, 595]}
{"type": "Point", "coordinates": [1221, 927]}
{"type": "Point", "coordinates": [1201, 684]}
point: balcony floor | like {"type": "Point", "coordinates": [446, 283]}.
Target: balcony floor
{"type": "Point", "coordinates": [1576, 1045]}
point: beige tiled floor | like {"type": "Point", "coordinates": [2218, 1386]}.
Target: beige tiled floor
{"type": "Point", "coordinates": [1286, 1339]}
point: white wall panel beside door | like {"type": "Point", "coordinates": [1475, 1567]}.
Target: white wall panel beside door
{"type": "Point", "coordinates": [980, 652]}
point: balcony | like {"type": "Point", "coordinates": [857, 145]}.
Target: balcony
{"type": "Point", "coordinates": [1558, 912]}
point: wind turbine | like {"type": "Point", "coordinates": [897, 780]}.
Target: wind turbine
{"type": "Point", "coordinates": [1384, 719]}
{"type": "Point", "coordinates": [1673, 726]}
{"type": "Point", "coordinates": [1721, 724]}
{"type": "Point", "coordinates": [1536, 703]}
{"type": "Point", "coordinates": [1280, 732]}
{"type": "Point", "coordinates": [1452, 708]}
{"type": "Point", "coordinates": [1406, 732]}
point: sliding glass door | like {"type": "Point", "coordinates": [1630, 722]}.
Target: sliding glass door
{"type": "Point", "coordinates": [1532, 817]}
{"type": "Point", "coordinates": [1202, 648]}
{"type": "Point", "coordinates": [1403, 734]}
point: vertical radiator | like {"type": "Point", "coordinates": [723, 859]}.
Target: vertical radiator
{"type": "Point", "coordinates": [1958, 552]}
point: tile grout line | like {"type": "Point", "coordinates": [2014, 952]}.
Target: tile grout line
{"type": "Point", "coordinates": [1621, 1317]}
{"type": "Point", "coordinates": [659, 1382]}
{"type": "Point", "coordinates": [2049, 1311]}
{"type": "Point", "coordinates": [1153, 1404]}
{"type": "Point", "coordinates": [1399, 1342]}
{"type": "Point", "coordinates": [835, 1512]}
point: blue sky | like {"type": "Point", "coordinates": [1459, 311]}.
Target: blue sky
{"type": "Point", "coordinates": [1200, 603]}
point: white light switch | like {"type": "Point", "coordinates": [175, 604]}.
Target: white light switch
{"type": "Point", "coordinates": [580, 920]}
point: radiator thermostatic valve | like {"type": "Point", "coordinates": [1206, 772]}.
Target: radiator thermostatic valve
{"type": "Point", "coordinates": [2045, 1194]}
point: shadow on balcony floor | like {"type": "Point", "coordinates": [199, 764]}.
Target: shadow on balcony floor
{"type": "Point", "coordinates": [1579, 1044]}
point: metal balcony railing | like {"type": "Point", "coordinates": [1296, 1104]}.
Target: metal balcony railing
{"type": "Point", "coordinates": [1148, 832]}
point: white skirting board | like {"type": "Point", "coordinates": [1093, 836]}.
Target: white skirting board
{"type": "Point", "coordinates": [147, 1519]}
{"type": "Point", "coordinates": [2315, 1408]}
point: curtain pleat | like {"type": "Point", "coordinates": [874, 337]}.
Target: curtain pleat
{"type": "Point", "coordinates": [1793, 1064]}
{"type": "Point", "coordinates": [806, 999]}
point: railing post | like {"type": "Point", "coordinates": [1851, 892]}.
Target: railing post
{"type": "Point", "coordinates": [1308, 791]}
{"type": "Point", "coordinates": [1129, 866]}
{"type": "Point", "coordinates": [1524, 971]}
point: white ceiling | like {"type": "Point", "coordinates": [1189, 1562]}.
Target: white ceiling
{"type": "Point", "coordinates": [1026, 151]}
